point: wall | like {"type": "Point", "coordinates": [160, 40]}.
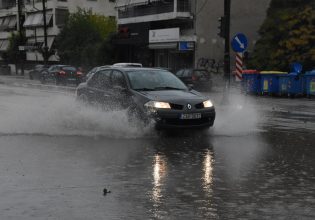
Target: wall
{"type": "Point", "coordinates": [246, 17]}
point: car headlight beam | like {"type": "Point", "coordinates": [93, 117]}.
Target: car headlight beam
{"type": "Point", "coordinates": [207, 104]}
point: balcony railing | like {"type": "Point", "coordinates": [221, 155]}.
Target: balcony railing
{"type": "Point", "coordinates": [156, 7]}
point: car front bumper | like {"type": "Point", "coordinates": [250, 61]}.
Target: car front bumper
{"type": "Point", "coordinates": [171, 119]}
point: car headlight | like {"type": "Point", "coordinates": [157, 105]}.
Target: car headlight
{"type": "Point", "coordinates": [207, 104]}
{"type": "Point", "coordinates": [152, 106]}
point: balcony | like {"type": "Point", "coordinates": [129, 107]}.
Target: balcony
{"type": "Point", "coordinates": [154, 11]}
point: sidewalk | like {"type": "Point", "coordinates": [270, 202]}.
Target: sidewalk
{"type": "Point", "coordinates": [24, 81]}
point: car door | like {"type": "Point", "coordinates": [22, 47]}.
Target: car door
{"type": "Point", "coordinates": [120, 92]}
{"type": "Point", "coordinates": [99, 88]}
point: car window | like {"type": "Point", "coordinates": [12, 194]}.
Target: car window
{"type": "Point", "coordinates": [154, 79]}
{"type": "Point", "coordinates": [187, 73]}
{"type": "Point", "coordinates": [51, 68]}
{"type": "Point", "coordinates": [94, 80]}
{"type": "Point", "coordinates": [201, 74]}
{"type": "Point", "coordinates": [100, 79]}
{"type": "Point", "coordinates": [70, 68]}
{"type": "Point", "coordinates": [104, 78]}
{"type": "Point", "coordinates": [179, 73]}
{"type": "Point", "coordinates": [118, 79]}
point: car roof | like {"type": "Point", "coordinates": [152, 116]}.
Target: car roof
{"type": "Point", "coordinates": [127, 64]}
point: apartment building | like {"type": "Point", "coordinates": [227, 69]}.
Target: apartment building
{"type": "Point", "coordinates": [56, 15]}
{"type": "Point", "coordinates": [177, 33]}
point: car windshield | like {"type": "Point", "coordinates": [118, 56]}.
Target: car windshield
{"type": "Point", "coordinates": [154, 80]}
{"type": "Point", "coordinates": [70, 68]}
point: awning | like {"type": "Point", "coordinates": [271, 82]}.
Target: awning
{"type": "Point", "coordinates": [157, 46]}
{"type": "Point", "coordinates": [13, 22]}
{"type": "Point", "coordinates": [123, 3]}
{"type": "Point", "coordinates": [39, 42]}
{"type": "Point", "coordinates": [8, 22]}
{"type": "Point", "coordinates": [4, 45]}
{"type": "Point", "coordinates": [36, 20]}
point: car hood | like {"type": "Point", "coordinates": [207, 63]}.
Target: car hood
{"type": "Point", "coordinates": [174, 96]}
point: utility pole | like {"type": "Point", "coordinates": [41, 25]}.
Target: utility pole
{"type": "Point", "coordinates": [227, 70]}
{"type": "Point", "coordinates": [45, 55]}
{"type": "Point", "coordinates": [20, 29]}
{"type": "Point", "coordinates": [227, 16]}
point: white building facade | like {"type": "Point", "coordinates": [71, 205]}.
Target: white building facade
{"type": "Point", "coordinates": [56, 14]}
{"type": "Point", "coordinates": [176, 34]}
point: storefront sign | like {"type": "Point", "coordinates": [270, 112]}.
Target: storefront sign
{"type": "Point", "coordinates": [164, 35]}
{"type": "Point", "coordinates": [184, 45]}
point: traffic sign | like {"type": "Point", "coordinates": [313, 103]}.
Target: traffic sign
{"type": "Point", "coordinates": [296, 67]}
{"type": "Point", "coordinates": [239, 43]}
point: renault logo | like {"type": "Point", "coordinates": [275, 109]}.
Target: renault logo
{"type": "Point", "coordinates": [189, 106]}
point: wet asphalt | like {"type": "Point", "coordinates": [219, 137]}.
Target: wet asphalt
{"type": "Point", "coordinates": [56, 158]}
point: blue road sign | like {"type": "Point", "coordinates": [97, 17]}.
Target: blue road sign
{"type": "Point", "coordinates": [296, 67]}
{"type": "Point", "coordinates": [239, 43]}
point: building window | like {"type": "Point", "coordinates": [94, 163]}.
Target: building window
{"type": "Point", "coordinates": [61, 16]}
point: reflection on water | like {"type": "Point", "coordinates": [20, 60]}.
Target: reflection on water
{"type": "Point", "coordinates": [159, 172]}
{"type": "Point", "coordinates": [208, 171]}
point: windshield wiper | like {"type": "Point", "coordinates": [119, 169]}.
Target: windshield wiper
{"type": "Point", "coordinates": [167, 88]}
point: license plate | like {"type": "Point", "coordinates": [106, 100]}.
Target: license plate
{"type": "Point", "coordinates": [190, 116]}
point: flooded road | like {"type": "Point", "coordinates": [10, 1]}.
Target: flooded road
{"type": "Point", "coordinates": [57, 157]}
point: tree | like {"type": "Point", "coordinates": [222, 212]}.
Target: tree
{"type": "Point", "coordinates": [13, 54]}
{"type": "Point", "coordinates": [287, 35]}
{"type": "Point", "coordinates": [84, 37]}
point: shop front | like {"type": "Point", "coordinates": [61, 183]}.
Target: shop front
{"type": "Point", "coordinates": [170, 50]}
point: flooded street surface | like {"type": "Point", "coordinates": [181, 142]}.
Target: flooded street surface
{"type": "Point", "coordinates": [56, 157]}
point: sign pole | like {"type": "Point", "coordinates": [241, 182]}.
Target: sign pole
{"type": "Point", "coordinates": [227, 70]}
{"type": "Point", "coordinates": [239, 67]}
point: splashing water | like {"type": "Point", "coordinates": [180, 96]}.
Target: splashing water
{"type": "Point", "coordinates": [239, 117]}
{"type": "Point", "coordinates": [59, 114]}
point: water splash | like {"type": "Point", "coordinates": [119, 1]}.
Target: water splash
{"type": "Point", "coordinates": [59, 114]}
{"type": "Point", "coordinates": [237, 118]}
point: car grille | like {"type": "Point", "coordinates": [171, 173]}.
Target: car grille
{"type": "Point", "coordinates": [199, 106]}
{"type": "Point", "coordinates": [186, 122]}
{"type": "Point", "coordinates": [176, 106]}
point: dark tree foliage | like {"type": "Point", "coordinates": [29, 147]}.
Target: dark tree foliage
{"type": "Point", "coordinates": [287, 35]}
{"type": "Point", "coordinates": [13, 54]}
{"type": "Point", "coordinates": [84, 39]}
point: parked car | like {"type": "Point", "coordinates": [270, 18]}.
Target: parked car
{"type": "Point", "coordinates": [62, 75]}
{"type": "Point", "coordinates": [35, 73]}
{"type": "Point", "coordinates": [199, 79]}
{"type": "Point", "coordinates": [150, 95]}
